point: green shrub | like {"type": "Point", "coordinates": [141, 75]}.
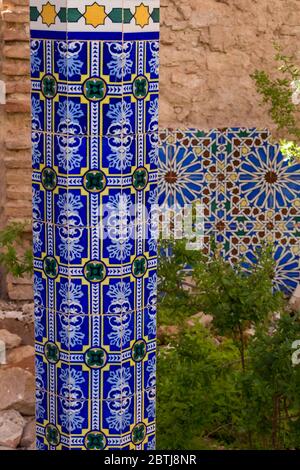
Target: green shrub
{"type": "Point", "coordinates": [176, 301]}
{"type": "Point", "coordinates": [238, 299]}
{"type": "Point", "coordinates": [272, 384]}
{"type": "Point", "coordinates": [11, 244]}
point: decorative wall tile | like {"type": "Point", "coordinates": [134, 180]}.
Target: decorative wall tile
{"type": "Point", "coordinates": [250, 193]}
{"type": "Point", "coordinates": [128, 423]}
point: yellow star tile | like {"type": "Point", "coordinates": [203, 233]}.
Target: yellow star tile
{"type": "Point", "coordinates": [95, 15]}
{"type": "Point", "coordinates": [295, 249]}
{"type": "Point", "coordinates": [48, 14]}
{"type": "Point", "coordinates": [142, 15]}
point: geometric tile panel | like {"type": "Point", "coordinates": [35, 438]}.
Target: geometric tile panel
{"type": "Point", "coordinates": [94, 71]}
{"type": "Point", "coordinates": [250, 193]}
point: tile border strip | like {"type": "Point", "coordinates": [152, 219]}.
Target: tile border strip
{"type": "Point", "coordinates": [96, 16]}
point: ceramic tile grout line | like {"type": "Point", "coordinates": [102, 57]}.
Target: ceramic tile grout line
{"type": "Point", "coordinates": [94, 71]}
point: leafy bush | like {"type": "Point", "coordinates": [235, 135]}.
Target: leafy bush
{"type": "Point", "coordinates": [175, 298]}
{"type": "Point", "coordinates": [271, 385]}
{"type": "Point", "coordinates": [11, 245]}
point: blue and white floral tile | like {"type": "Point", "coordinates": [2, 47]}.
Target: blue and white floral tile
{"type": "Point", "coordinates": [69, 153]}
{"type": "Point", "coordinates": [39, 289]}
{"type": "Point", "coordinates": [141, 409]}
{"type": "Point", "coordinates": [141, 114]}
{"type": "Point", "coordinates": [70, 160]}
{"type": "Point", "coordinates": [47, 189]}
{"type": "Point", "coordinates": [38, 145]}
{"type": "Point", "coordinates": [93, 89]}
{"type": "Point", "coordinates": [96, 373]}
{"type": "Point", "coordinates": [81, 374]}
{"type": "Point", "coordinates": [63, 424]}
{"type": "Point", "coordinates": [116, 293]}
{"type": "Point", "coordinates": [152, 149]}
{"type": "Point", "coordinates": [76, 206]}
{"type": "Point", "coordinates": [80, 356]}
{"type": "Point", "coordinates": [66, 154]}
{"type": "Point", "coordinates": [150, 315]}
{"type": "Point", "coordinates": [38, 112]}
{"type": "Point", "coordinates": [37, 57]}
{"type": "Point", "coordinates": [152, 59]}
{"type": "Point", "coordinates": [118, 155]}
{"type": "Point", "coordinates": [125, 328]}
{"type": "Point", "coordinates": [115, 155]}
{"type": "Point", "coordinates": [149, 370]}
{"type": "Point", "coordinates": [52, 367]}
{"type": "Point", "coordinates": [139, 363]}
{"type": "Point", "coordinates": [120, 94]}
{"type": "Point", "coordinates": [67, 97]}
{"type": "Point", "coordinates": [89, 332]}
{"type": "Point", "coordinates": [81, 333]}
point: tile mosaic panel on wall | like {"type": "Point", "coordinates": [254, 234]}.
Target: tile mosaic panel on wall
{"type": "Point", "coordinates": [249, 192]}
{"type": "Point", "coordinates": [94, 68]}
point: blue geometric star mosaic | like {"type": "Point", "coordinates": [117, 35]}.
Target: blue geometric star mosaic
{"type": "Point", "coordinates": [94, 69]}
{"type": "Point", "coordinates": [249, 191]}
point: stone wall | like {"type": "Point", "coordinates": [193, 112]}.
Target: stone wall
{"type": "Point", "coordinates": [208, 50]}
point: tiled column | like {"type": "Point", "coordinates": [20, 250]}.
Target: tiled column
{"type": "Point", "coordinates": [94, 68]}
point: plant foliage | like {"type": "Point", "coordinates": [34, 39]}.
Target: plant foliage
{"type": "Point", "coordinates": [281, 92]}
{"type": "Point", "coordinates": [219, 387]}
{"type": "Point", "coordinates": [14, 257]}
